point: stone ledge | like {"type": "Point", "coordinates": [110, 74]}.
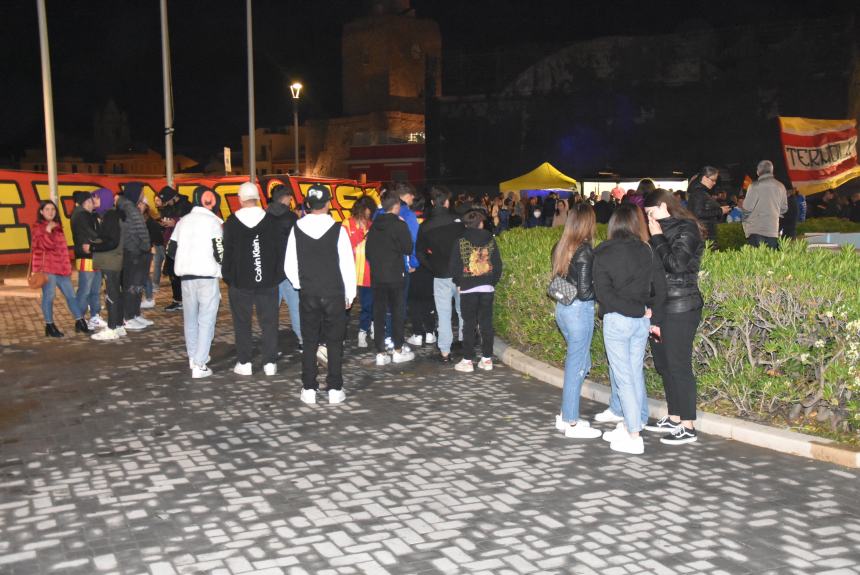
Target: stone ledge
{"type": "Point", "coordinates": [781, 440]}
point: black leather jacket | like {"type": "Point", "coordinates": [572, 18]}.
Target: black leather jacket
{"type": "Point", "coordinates": [680, 249]}
{"type": "Point", "coordinates": [579, 272]}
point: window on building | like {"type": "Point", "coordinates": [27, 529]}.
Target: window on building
{"type": "Point", "coordinates": [417, 137]}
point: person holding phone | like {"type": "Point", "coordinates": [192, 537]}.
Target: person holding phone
{"type": "Point", "coordinates": [676, 238]}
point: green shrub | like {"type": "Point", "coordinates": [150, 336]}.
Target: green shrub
{"type": "Point", "coordinates": [731, 236]}
{"type": "Point", "coordinates": [779, 340]}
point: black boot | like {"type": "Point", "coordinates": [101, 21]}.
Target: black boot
{"type": "Point", "coordinates": [81, 326]}
{"type": "Point", "coordinates": [52, 331]}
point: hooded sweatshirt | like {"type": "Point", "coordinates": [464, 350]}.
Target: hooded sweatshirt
{"type": "Point", "coordinates": [388, 242]}
{"type": "Point", "coordinates": [196, 245]}
{"type": "Point", "coordinates": [135, 236]}
{"type": "Point", "coordinates": [303, 261]}
{"type": "Point", "coordinates": [436, 238]}
{"type": "Point", "coordinates": [475, 260]}
{"type": "Point", "coordinates": [251, 252]}
{"type": "Point", "coordinates": [84, 231]}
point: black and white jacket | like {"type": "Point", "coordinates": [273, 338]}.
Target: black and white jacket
{"type": "Point", "coordinates": [252, 252]}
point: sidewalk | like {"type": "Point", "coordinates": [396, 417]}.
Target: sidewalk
{"type": "Point", "coordinates": [112, 460]}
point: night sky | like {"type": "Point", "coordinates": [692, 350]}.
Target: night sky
{"type": "Point", "coordinates": [103, 49]}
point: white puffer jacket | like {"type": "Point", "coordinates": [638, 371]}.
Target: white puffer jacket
{"type": "Point", "coordinates": [198, 241]}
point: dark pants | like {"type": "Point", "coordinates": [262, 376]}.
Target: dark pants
{"type": "Point", "coordinates": [133, 276]}
{"type": "Point", "coordinates": [388, 298]}
{"type": "Point", "coordinates": [420, 302]}
{"type": "Point", "coordinates": [323, 321]}
{"type": "Point", "coordinates": [477, 309]}
{"type": "Point", "coordinates": [175, 281]}
{"type": "Point", "coordinates": [756, 240]}
{"type": "Point", "coordinates": [242, 303]}
{"type": "Point", "coordinates": [673, 358]}
{"type": "Point", "coordinates": [113, 298]}
{"type": "Point", "coordinates": [365, 297]}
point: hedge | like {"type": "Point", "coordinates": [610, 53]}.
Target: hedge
{"type": "Point", "coordinates": [731, 236]}
{"type": "Point", "coordinates": [779, 341]}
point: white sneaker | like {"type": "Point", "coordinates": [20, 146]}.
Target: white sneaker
{"type": "Point", "coordinates": [106, 334]}
{"type": "Point", "coordinates": [562, 425]}
{"type": "Point", "coordinates": [370, 333]}
{"type": "Point", "coordinates": [486, 364]}
{"type": "Point", "coordinates": [322, 354]}
{"type": "Point", "coordinates": [464, 365]}
{"type": "Point", "coordinates": [243, 369]}
{"type": "Point", "coordinates": [191, 361]}
{"type": "Point", "coordinates": [143, 321]}
{"type": "Point", "coordinates": [389, 344]}
{"type": "Point", "coordinates": [415, 339]}
{"type": "Point", "coordinates": [96, 322]}
{"type": "Point", "coordinates": [309, 396]}
{"type": "Point", "coordinates": [606, 416]}
{"type": "Point", "coordinates": [120, 331]}
{"type": "Point", "coordinates": [429, 338]}
{"type": "Point", "coordinates": [336, 396]}
{"type": "Point", "coordinates": [270, 369]}
{"type": "Point", "coordinates": [199, 371]}
{"type": "Point", "coordinates": [619, 432]}
{"type": "Point", "coordinates": [627, 444]}
{"type": "Point", "coordinates": [133, 325]}
{"type": "Point", "coordinates": [402, 356]}
{"type": "Point", "coordinates": [383, 359]}
{"type": "Point", "coordinates": [147, 303]}
{"type": "Point", "coordinates": [362, 338]}
{"type": "Point", "coordinates": [582, 430]}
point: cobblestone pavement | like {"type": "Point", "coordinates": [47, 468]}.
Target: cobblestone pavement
{"type": "Point", "coordinates": [113, 460]}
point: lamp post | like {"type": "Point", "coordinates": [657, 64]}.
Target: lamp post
{"type": "Point", "coordinates": [296, 89]}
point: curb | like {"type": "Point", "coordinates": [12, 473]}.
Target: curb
{"type": "Point", "coordinates": [784, 441]}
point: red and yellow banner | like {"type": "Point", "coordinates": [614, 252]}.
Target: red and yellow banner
{"type": "Point", "coordinates": [21, 192]}
{"type": "Point", "coordinates": [819, 154]}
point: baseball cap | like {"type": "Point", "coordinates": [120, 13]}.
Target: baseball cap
{"type": "Point", "coordinates": [248, 191]}
{"type": "Point", "coordinates": [317, 197]}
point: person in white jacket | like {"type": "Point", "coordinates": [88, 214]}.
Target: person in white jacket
{"type": "Point", "coordinates": [196, 249]}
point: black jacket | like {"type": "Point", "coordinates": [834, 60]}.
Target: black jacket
{"type": "Point", "coordinates": [436, 238]}
{"type": "Point", "coordinates": [286, 219]}
{"type": "Point", "coordinates": [603, 211]}
{"type": "Point", "coordinates": [388, 242]}
{"type": "Point", "coordinates": [253, 258]}
{"type": "Point", "coordinates": [579, 271]}
{"type": "Point", "coordinates": [84, 231]}
{"type": "Point", "coordinates": [679, 248]}
{"type": "Point", "coordinates": [628, 278]}
{"type": "Point", "coordinates": [705, 208]}
{"type": "Point", "coordinates": [475, 260]}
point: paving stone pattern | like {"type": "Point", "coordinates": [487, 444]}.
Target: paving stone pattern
{"type": "Point", "coordinates": [113, 460]}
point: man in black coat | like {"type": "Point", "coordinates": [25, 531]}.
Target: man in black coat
{"type": "Point", "coordinates": [279, 208]}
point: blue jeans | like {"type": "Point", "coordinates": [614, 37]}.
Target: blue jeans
{"type": "Point", "coordinates": [365, 317]}
{"type": "Point", "coordinates": [200, 301]}
{"type": "Point", "coordinates": [89, 288]}
{"type": "Point", "coordinates": [625, 339]}
{"type": "Point", "coordinates": [287, 292]}
{"type": "Point", "coordinates": [147, 280]}
{"type": "Point", "coordinates": [443, 290]}
{"type": "Point", "coordinates": [50, 289]}
{"type": "Point", "coordinates": [576, 322]}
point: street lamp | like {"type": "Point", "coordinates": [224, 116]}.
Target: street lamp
{"type": "Point", "coordinates": [296, 89]}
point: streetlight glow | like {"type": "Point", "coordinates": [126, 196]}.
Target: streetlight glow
{"type": "Point", "coordinates": [296, 89]}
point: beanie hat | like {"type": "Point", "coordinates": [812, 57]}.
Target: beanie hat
{"type": "Point", "coordinates": [80, 197]}
{"type": "Point", "coordinates": [133, 192]}
{"type": "Point", "coordinates": [206, 198]}
{"type": "Point", "coordinates": [166, 194]}
{"type": "Point", "coordinates": [317, 197]}
{"type": "Point", "coordinates": [106, 200]}
{"type": "Point", "coordinates": [248, 192]}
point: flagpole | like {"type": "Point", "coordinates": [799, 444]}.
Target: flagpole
{"type": "Point", "coordinates": [168, 95]}
{"type": "Point", "coordinates": [252, 144]}
{"type": "Point", "coordinates": [48, 98]}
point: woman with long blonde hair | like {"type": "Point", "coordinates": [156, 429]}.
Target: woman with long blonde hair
{"type": "Point", "coordinates": [572, 259]}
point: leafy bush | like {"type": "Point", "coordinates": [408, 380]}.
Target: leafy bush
{"type": "Point", "coordinates": [779, 340]}
{"type": "Point", "coordinates": [731, 236]}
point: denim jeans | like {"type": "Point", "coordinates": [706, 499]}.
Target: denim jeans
{"type": "Point", "coordinates": [157, 265]}
{"type": "Point", "coordinates": [756, 240]}
{"type": "Point", "coordinates": [286, 292]}
{"type": "Point", "coordinates": [365, 316]}
{"type": "Point", "coordinates": [200, 301]}
{"type": "Point", "coordinates": [576, 322]}
{"type": "Point", "coordinates": [89, 289]}
{"type": "Point", "coordinates": [50, 289]}
{"type": "Point", "coordinates": [625, 339]}
{"type": "Point", "coordinates": [615, 402]}
{"type": "Point", "coordinates": [147, 280]}
{"type": "Point", "coordinates": [443, 290]}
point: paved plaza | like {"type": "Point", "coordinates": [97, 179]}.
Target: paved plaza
{"type": "Point", "coordinates": [113, 460]}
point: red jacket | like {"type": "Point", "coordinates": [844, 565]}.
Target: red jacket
{"type": "Point", "coordinates": [50, 251]}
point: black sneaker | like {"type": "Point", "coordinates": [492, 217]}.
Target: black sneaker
{"type": "Point", "coordinates": [445, 358]}
{"type": "Point", "coordinates": [680, 436]}
{"type": "Point", "coordinates": [175, 306]}
{"type": "Point", "coordinates": [664, 424]}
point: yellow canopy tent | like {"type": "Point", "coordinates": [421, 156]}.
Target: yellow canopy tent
{"type": "Point", "coordinates": [544, 177]}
